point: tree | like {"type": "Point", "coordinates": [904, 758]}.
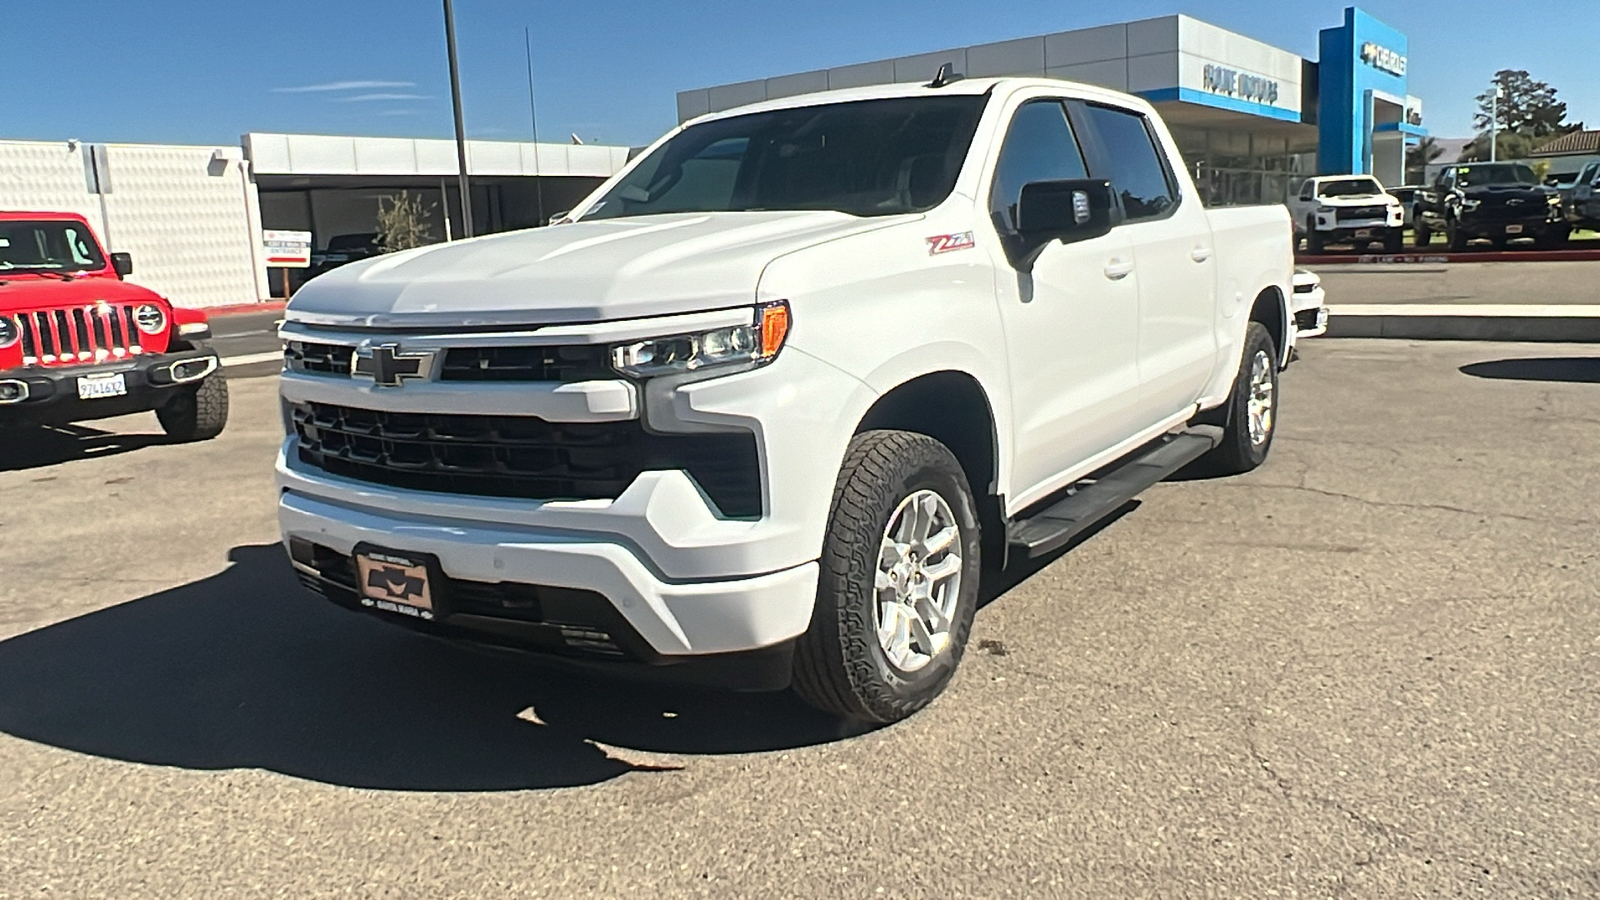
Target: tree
{"type": "Point", "coordinates": [1508, 145]}
{"type": "Point", "coordinates": [1418, 158]}
{"type": "Point", "coordinates": [1526, 106]}
{"type": "Point", "coordinates": [403, 222]}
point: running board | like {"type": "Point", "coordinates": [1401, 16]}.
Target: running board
{"type": "Point", "coordinates": [1092, 500]}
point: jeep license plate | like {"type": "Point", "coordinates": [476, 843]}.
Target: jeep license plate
{"type": "Point", "coordinates": [395, 583]}
{"type": "Point", "coordinates": [1513, 229]}
{"type": "Point", "coordinates": [96, 387]}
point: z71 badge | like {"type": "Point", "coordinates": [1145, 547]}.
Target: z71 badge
{"type": "Point", "coordinates": [945, 243]}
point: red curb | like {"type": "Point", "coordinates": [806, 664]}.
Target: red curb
{"type": "Point", "coordinates": [239, 309]}
{"type": "Point", "coordinates": [1469, 256]}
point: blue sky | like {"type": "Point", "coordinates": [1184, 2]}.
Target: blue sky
{"type": "Point", "coordinates": [187, 71]}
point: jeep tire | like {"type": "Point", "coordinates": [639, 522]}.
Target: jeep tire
{"type": "Point", "coordinates": [1255, 393]}
{"type": "Point", "coordinates": [872, 560]}
{"type": "Point", "coordinates": [198, 412]}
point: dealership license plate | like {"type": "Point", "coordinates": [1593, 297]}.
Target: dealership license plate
{"type": "Point", "coordinates": [98, 387]}
{"type": "Point", "coordinates": [1364, 233]}
{"type": "Point", "coordinates": [395, 583]}
{"type": "Point", "coordinates": [1513, 229]}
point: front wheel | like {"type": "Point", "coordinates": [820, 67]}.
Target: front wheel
{"type": "Point", "coordinates": [1314, 238]}
{"type": "Point", "coordinates": [898, 584]}
{"type": "Point", "coordinates": [197, 413]}
{"type": "Point", "coordinates": [1393, 242]}
{"type": "Point", "coordinates": [1458, 239]}
{"type": "Point", "coordinates": [1252, 412]}
{"type": "Point", "coordinates": [1421, 234]}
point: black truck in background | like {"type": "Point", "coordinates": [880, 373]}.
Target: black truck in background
{"type": "Point", "coordinates": [1501, 202]}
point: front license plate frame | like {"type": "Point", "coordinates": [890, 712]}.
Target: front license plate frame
{"type": "Point", "coordinates": [103, 386]}
{"type": "Point", "coordinates": [398, 582]}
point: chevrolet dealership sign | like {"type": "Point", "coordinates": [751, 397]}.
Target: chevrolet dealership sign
{"type": "Point", "coordinates": [1383, 59]}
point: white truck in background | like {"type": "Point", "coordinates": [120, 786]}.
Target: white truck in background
{"type": "Point", "coordinates": [1347, 209]}
{"type": "Point", "coordinates": [783, 389]}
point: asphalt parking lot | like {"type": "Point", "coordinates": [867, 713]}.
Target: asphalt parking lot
{"type": "Point", "coordinates": [1370, 669]}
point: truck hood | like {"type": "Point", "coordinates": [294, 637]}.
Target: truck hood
{"type": "Point", "coordinates": [1358, 200]}
{"type": "Point", "coordinates": [19, 293]}
{"type": "Point", "coordinates": [584, 272]}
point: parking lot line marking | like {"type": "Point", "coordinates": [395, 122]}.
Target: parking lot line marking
{"type": "Point", "coordinates": [250, 359]}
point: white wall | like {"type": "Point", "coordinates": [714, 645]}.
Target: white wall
{"type": "Point", "coordinates": [189, 215]}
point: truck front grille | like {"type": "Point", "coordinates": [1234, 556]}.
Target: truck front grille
{"type": "Point", "coordinates": [561, 364]}
{"type": "Point", "coordinates": [522, 457]}
{"type": "Point", "coordinates": [76, 335]}
{"type": "Point", "coordinates": [1361, 213]}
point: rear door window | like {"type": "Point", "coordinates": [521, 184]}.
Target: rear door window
{"type": "Point", "coordinates": [1126, 153]}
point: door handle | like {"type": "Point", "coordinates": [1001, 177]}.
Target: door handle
{"type": "Point", "coordinates": [1200, 254]}
{"type": "Point", "coordinates": [1117, 269]}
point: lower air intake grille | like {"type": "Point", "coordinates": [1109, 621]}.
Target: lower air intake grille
{"type": "Point", "coordinates": [522, 457]}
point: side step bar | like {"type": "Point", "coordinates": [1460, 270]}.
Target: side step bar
{"type": "Point", "coordinates": [1089, 501]}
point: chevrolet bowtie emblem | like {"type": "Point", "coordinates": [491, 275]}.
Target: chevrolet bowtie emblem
{"type": "Point", "coordinates": [388, 367]}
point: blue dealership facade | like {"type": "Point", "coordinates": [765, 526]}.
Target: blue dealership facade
{"type": "Point", "coordinates": [1252, 120]}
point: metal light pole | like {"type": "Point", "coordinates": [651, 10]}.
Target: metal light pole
{"type": "Point", "coordinates": [1494, 122]}
{"type": "Point", "coordinates": [461, 127]}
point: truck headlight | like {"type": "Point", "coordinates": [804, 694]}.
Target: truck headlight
{"type": "Point", "coordinates": [150, 318]}
{"type": "Point", "coordinates": [9, 332]}
{"type": "Point", "coordinates": [1471, 204]}
{"type": "Point", "coordinates": [749, 345]}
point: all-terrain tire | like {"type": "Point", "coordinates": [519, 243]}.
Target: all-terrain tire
{"type": "Point", "coordinates": [1421, 235]}
{"type": "Point", "coordinates": [197, 413]}
{"type": "Point", "coordinates": [1239, 451]}
{"type": "Point", "coordinates": [1314, 241]}
{"type": "Point", "coordinates": [1458, 239]}
{"type": "Point", "coordinates": [840, 666]}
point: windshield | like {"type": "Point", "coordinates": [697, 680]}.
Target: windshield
{"type": "Point", "coordinates": [1502, 173]}
{"type": "Point", "coordinates": [867, 158]}
{"type": "Point", "coordinates": [1352, 187]}
{"type": "Point", "coordinates": [48, 247]}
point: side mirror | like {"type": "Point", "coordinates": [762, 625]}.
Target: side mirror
{"type": "Point", "coordinates": [1074, 210]}
{"type": "Point", "coordinates": [122, 263]}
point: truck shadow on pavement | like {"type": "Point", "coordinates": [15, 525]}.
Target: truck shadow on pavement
{"type": "Point", "coordinates": [37, 447]}
{"type": "Point", "coordinates": [1578, 370]}
{"type": "Point", "coordinates": [248, 670]}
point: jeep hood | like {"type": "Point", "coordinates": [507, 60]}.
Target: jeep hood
{"type": "Point", "coordinates": [22, 292]}
{"type": "Point", "coordinates": [584, 272]}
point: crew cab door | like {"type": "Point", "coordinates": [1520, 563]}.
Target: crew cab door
{"type": "Point", "coordinates": [1071, 323]}
{"type": "Point", "coordinates": [1174, 251]}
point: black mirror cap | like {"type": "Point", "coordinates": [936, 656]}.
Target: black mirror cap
{"type": "Point", "coordinates": [122, 263]}
{"type": "Point", "coordinates": [1072, 210]}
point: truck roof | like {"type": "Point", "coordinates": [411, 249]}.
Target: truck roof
{"type": "Point", "coordinates": [964, 86]}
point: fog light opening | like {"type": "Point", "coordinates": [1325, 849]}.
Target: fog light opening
{"type": "Point", "coordinates": [193, 369]}
{"type": "Point", "coordinates": [13, 391]}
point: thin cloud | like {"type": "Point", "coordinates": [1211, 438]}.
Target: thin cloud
{"type": "Point", "coordinates": [343, 86]}
{"type": "Point", "coordinates": [368, 98]}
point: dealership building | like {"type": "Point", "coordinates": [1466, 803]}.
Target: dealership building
{"type": "Point", "coordinates": [1252, 120]}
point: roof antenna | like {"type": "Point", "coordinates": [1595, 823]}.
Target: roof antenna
{"type": "Point", "coordinates": [946, 75]}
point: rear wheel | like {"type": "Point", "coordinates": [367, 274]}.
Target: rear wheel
{"type": "Point", "coordinates": [1252, 411]}
{"type": "Point", "coordinates": [898, 584]}
{"type": "Point", "coordinates": [1421, 235]}
{"type": "Point", "coordinates": [197, 413]}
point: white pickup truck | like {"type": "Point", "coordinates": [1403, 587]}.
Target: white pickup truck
{"type": "Point", "coordinates": [778, 394]}
{"type": "Point", "coordinates": [1347, 209]}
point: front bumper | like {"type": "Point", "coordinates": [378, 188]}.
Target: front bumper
{"type": "Point", "coordinates": [37, 395]}
{"type": "Point", "coordinates": [1497, 227]}
{"type": "Point", "coordinates": [590, 596]}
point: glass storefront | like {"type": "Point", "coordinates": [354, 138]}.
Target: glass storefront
{"type": "Point", "coordinates": [1233, 168]}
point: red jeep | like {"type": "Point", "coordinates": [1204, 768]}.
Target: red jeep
{"type": "Point", "coordinates": [77, 342]}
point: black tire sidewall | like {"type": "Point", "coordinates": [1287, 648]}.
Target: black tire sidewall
{"type": "Point", "coordinates": [844, 623]}
{"type": "Point", "coordinates": [1257, 339]}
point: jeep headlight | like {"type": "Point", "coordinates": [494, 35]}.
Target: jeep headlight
{"type": "Point", "coordinates": [150, 318]}
{"type": "Point", "coordinates": [753, 344]}
{"type": "Point", "coordinates": [9, 333]}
